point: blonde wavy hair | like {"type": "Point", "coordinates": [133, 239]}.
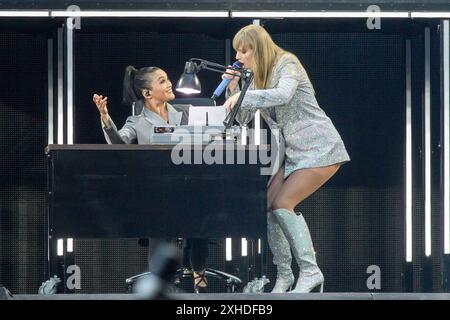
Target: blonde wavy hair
{"type": "Point", "coordinates": [265, 52]}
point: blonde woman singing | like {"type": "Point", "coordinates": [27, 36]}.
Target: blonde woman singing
{"type": "Point", "coordinates": [314, 150]}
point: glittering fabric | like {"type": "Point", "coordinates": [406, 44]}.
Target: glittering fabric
{"type": "Point", "coordinates": [282, 257]}
{"type": "Point", "coordinates": [311, 140]}
{"type": "Point", "coordinates": [297, 233]}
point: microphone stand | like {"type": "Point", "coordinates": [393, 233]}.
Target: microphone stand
{"type": "Point", "coordinates": [245, 74]}
{"type": "Point", "coordinates": [247, 77]}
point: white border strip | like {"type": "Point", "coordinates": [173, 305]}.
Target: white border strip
{"type": "Point", "coordinates": [318, 14]}
{"type": "Point", "coordinates": [446, 142]}
{"type": "Point", "coordinates": [436, 14]}
{"type": "Point", "coordinates": [168, 14]}
{"type": "Point", "coordinates": [427, 123]}
{"type": "Point", "coordinates": [408, 209]}
{"type": "Point", "coordinates": [225, 14]}
{"type": "Point", "coordinates": [18, 13]}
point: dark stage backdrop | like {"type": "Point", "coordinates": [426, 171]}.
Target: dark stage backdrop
{"type": "Point", "coordinates": [23, 137]}
{"type": "Point", "coordinates": [356, 219]}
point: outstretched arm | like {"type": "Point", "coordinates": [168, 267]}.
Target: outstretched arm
{"type": "Point", "coordinates": [126, 135]}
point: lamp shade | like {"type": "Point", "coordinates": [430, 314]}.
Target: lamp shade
{"type": "Point", "coordinates": [189, 82]}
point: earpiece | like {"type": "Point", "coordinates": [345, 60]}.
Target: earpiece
{"type": "Point", "coordinates": [149, 93]}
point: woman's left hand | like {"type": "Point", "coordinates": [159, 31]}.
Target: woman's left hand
{"type": "Point", "coordinates": [231, 101]}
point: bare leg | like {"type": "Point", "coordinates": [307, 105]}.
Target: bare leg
{"type": "Point", "coordinates": [278, 243]}
{"type": "Point", "coordinates": [275, 186]}
{"type": "Point", "coordinates": [299, 186]}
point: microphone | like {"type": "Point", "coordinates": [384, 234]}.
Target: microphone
{"type": "Point", "coordinates": [223, 85]}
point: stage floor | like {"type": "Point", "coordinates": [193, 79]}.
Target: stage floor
{"type": "Point", "coordinates": [245, 296]}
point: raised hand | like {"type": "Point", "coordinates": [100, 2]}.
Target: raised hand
{"type": "Point", "coordinates": [101, 104]}
{"type": "Point", "coordinates": [231, 101]}
{"type": "Point", "coordinates": [234, 79]}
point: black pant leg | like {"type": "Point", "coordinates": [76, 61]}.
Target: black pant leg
{"type": "Point", "coordinates": [198, 253]}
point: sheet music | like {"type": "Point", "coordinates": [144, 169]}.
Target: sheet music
{"type": "Point", "coordinates": [211, 116]}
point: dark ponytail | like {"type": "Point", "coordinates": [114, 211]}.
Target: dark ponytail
{"type": "Point", "coordinates": [134, 81]}
{"type": "Point", "coordinates": [129, 96]}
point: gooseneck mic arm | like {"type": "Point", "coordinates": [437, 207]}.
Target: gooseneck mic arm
{"type": "Point", "coordinates": [248, 77]}
{"type": "Point", "coordinates": [195, 65]}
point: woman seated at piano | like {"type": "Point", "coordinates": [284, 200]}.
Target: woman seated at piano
{"type": "Point", "coordinates": [150, 90]}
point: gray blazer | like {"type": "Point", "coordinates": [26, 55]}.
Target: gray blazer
{"type": "Point", "coordinates": [139, 129]}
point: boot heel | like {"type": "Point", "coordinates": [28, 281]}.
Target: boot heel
{"type": "Point", "coordinates": [319, 288]}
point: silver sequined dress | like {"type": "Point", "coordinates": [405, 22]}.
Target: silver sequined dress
{"type": "Point", "coordinates": [311, 140]}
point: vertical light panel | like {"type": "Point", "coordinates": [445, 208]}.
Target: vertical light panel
{"type": "Point", "coordinates": [446, 142]}
{"type": "Point", "coordinates": [60, 247]}
{"type": "Point", "coordinates": [244, 252]}
{"type": "Point", "coordinates": [228, 255]}
{"type": "Point", "coordinates": [244, 132]}
{"type": "Point", "coordinates": [50, 111]}
{"type": "Point", "coordinates": [427, 127]}
{"type": "Point", "coordinates": [257, 131]}
{"type": "Point", "coordinates": [408, 156]}
{"type": "Point", "coordinates": [69, 245]}
{"type": "Point", "coordinates": [69, 80]}
{"type": "Point", "coordinates": [60, 72]}
{"type": "Point", "coordinates": [50, 90]}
